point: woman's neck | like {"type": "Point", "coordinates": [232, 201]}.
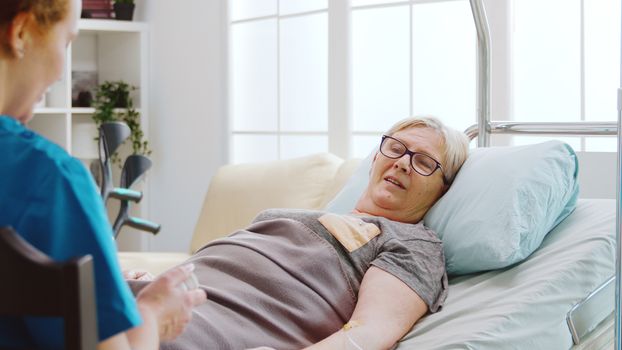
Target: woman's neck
{"type": "Point", "coordinates": [4, 86]}
{"type": "Point", "coordinates": [9, 91]}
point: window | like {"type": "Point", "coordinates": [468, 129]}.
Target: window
{"type": "Point", "coordinates": [278, 59]}
{"type": "Point", "coordinates": [566, 64]}
{"type": "Point", "coordinates": [406, 58]}
{"type": "Point", "coordinates": [410, 58]}
{"type": "Point", "coordinates": [384, 60]}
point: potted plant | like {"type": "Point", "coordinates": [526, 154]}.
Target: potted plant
{"type": "Point", "coordinates": [113, 103]}
{"type": "Point", "coordinates": [124, 9]}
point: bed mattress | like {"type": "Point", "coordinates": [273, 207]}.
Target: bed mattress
{"type": "Point", "coordinates": [524, 306]}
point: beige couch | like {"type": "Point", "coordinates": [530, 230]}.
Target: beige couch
{"type": "Point", "coordinates": [238, 192]}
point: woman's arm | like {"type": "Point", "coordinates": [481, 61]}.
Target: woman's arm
{"type": "Point", "coordinates": [144, 336]}
{"type": "Point", "coordinates": [386, 310]}
{"type": "Point", "coordinates": [165, 309]}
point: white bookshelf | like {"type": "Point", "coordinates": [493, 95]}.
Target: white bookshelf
{"type": "Point", "coordinates": [108, 50]}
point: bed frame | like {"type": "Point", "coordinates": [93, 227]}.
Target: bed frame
{"type": "Point", "coordinates": [581, 318]}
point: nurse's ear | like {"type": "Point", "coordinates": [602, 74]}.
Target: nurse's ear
{"type": "Point", "coordinates": [20, 33]}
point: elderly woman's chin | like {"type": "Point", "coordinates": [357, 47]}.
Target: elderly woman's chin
{"type": "Point", "coordinates": [387, 198]}
{"type": "Point", "coordinates": [378, 203]}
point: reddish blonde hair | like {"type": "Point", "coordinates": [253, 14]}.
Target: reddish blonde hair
{"type": "Point", "coordinates": [45, 12]}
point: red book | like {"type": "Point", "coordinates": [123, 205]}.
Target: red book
{"type": "Point", "coordinates": [96, 9]}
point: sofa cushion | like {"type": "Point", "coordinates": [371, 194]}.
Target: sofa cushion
{"type": "Point", "coordinates": [154, 263]}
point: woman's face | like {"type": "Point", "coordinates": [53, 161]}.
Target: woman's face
{"type": "Point", "coordinates": [43, 61]}
{"type": "Point", "coordinates": [395, 190]}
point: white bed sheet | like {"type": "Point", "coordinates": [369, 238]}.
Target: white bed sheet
{"type": "Point", "coordinates": [525, 306]}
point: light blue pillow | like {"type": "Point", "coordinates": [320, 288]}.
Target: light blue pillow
{"type": "Point", "coordinates": [501, 205]}
{"type": "Point", "coordinates": [345, 200]}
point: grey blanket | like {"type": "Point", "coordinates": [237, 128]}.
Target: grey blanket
{"type": "Point", "coordinates": [277, 284]}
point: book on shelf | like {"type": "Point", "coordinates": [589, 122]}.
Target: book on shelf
{"type": "Point", "coordinates": [97, 9]}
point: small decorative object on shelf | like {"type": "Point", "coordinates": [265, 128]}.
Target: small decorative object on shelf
{"type": "Point", "coordinates": [83, 84]}
{"type": "Point", "coordinates": [124, 9]}
{"type": "Point", "coordinates": [114, 103]}
{"type": "Point", "coordinates": [97, 9]}
{"type": "Point", "coordinates": [85, 99]}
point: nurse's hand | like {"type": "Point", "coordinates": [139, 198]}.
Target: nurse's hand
{"type": "Point", "coordinates": [138, 275]}
{"type": "Point", "coordinates": [170, 300]}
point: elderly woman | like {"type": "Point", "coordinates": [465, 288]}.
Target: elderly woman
{"type": "Point", "coordinates": [294, 278]}
{"type": "Point", "coordinates": [51, 200]}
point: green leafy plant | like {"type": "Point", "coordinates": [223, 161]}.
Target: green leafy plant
{"type": "Point", "coordinates": [113, 103]}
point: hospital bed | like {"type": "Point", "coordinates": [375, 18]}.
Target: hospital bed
{"type": "Point", "coordinates": [519, 307]}
{"type": "Point", "coordinates": [560, 297]}
{"type": "Point", "coordinates": [587, 321]}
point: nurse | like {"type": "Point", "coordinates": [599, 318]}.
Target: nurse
{"type": "Point", "coordinates": [50, 199]}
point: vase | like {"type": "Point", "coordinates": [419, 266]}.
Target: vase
{"type": "Point", "coordinates": [124, 11]}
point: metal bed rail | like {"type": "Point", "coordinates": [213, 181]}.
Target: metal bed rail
{"type": "Point", "coordinates": [485, 127]}
{"type": "Point", "coordinates": [618, 298]}
{"type": "Point", "coordinates": [618, 293]}
{"type": "Point", "coordinates": [545, 128]}
{"type": "Point", "coordinates": [483, 70]}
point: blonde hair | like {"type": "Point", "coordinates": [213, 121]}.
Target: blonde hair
{"type": "Point", "coordinates": [456, 143]}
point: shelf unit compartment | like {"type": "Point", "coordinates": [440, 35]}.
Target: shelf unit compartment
{"type": "Point", "coordinates": [54, 127]}
{"type": "Point", "coordinates": [114, 50]}
{"type": "Point", "coordinates": [108, 56]}
{"type": "Point", "coordinates": [84, 66]}
{"type": "Point", "coordinates": [105, 25]}
{"type": "Point", "coordinates": [58, 94]}
{"type": "Point", "coordinates": [84, 137]}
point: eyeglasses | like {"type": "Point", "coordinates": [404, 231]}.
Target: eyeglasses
{"type": "Point", "coordinates": [422, 163]}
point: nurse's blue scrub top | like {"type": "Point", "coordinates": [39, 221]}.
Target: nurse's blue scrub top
{"type": "Point", "coordinates": [50, 199]}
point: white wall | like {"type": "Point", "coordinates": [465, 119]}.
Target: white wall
{"type": "Point", "coordinates": [187, 112]}
{"type": "Point", "coordinates": [597, 174]}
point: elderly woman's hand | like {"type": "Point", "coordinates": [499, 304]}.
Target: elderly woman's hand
{"type": "Point", "coordinates": [171, 300]}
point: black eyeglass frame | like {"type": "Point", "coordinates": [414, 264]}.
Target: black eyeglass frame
{"type": "Point", "coordinates": [412, 154]}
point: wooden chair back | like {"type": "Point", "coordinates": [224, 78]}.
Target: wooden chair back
{"type": "Point", "coordinates": [35, 285]}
